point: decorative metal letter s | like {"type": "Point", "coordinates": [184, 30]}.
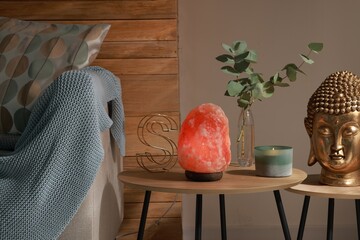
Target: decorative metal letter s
{"type": "Point", "coordinates": [159, 125]}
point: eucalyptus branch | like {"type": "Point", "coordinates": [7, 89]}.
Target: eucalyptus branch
{"type": "Point", "coordinates": [308, 55]}
{"type": "Point", "coordinates": [302, 63]}
{"type": "Point", "coordinates": [252, 86]}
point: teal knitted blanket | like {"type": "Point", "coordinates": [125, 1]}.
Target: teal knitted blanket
{"type": "Point", "coordinates": [45, 179]}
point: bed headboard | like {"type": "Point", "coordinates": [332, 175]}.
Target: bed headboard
{"type": "Point", "coordinates": [140, 48]}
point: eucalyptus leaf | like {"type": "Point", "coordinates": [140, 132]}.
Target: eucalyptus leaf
{"type": "Point", "coordinates": [257, 91]}
{"type": "Point", "coordinates": [227, 93]}
{"type": "Point", "coordinates": [306, 59]}
{"type": "Point", "coordinates": [316, 47]}
{"type": "Point", "coordinates": [278, 80]}
{"type": "Point", "coordinates": [249, 71]}
{"type": "Point", "coordinates": [279, 84]}
{"type": "Point", "coordinates": [247, 96]}
{"type": "Point", "coordinates": [294, 67]}
{"type": "Point", "coordinates": [259, 75]}
{"type": "Point", "coordinates": [241, 66]}
{"type": "Point", "coordinates": [234, 88]}
{"type": "Point", "coordinates": [244, 100]}
{"type": "Point", "coordinates": [227, 48]}
{"type": "Point", "coordinates": [244, 81]}
{"type": "Point", "coordinates": [291, 73]}
{"type": "Point", "coordinates": [269, 91]}
{"type": "Point", "coordinates": [241, 46]}
{"type": "Point", "coordinates": [241, 57]}
{"type": "Point", "coordinates": [229, 70]}
{"type": "Point", "coordinates": [275, 78]}
{"type": "Point", "coordinates": [260, 92]}
{"type": "Point", "coordinates": [252, 56]}
{"type": "Point", "coordinates": [268, 85]}
{"type": "Point", "coordinates": [225, 58]}
{"type": "Point", "coordinates": [248, 87]}
{"type": "Point", "coordinates": [235, 45]}
{"type": "Point", "coordinates": [256, 78]}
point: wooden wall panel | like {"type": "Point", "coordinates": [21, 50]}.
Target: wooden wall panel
{"type": "Point", "coordinates": [140, 30]}
{"type": "Point", "coordinates": [141, 48]}
{"type": "Point", "coordinates": [147, 96]}
{"type": "Point", "coordinates": [140, 66]}
{"type": "Point", "coordinates": [134, 50]}
{"type": "Point", "coordinates": [137, 147]}
{"type": "Point", "coordinates": [90, 9]}
{"type": "Point", "coordinates": [133, 30]}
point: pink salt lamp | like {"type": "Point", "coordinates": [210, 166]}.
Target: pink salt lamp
{"type": "Point", "coordinates": [204, 143]}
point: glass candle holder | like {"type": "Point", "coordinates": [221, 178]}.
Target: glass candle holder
{"type": "Point", "coordinates": [273, 161]}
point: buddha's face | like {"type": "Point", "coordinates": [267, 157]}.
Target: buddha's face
{"type": "Point", "coordinates": [336, 141]}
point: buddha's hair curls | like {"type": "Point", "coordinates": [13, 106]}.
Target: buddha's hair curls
{"type": "Point", "coordinates": [338, 94]}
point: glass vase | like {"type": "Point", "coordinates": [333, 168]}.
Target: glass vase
{"type": "Point", "coordinates": [246, 138]}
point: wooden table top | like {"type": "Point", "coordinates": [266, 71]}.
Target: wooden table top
{"type": "Point", "coordinates": [311, 186]}
{"type": "Point", "coordinates": [234, 180]}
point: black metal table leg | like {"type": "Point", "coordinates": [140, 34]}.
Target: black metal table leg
{"type": "Point", "coordinates": [198, 217]}
{"type": "Point", "coordinates": [303, 218]}
{"type": "Point", "coordinates": [222, 216]}
{"type": "Point", "coordinates": [144, 215]}
{"type": "Point", "coordinates": [330, 221]}
{"type": "Point", "coordinates": [357, 205]}
{"type": "Point", "coordinates": [281, 211]}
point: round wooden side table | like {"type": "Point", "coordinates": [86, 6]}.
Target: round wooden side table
{"type": "Point", "coordinates": [311, 186]}
{"type": "Point", "coordinates": [235, 180]}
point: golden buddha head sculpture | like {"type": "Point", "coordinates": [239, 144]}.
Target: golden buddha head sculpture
{"type": "Point", "coordinates": [333, 125]}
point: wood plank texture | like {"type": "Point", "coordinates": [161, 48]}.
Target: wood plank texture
{"type": "Point", "coordinates": [134, 30]}
{"type": "Point", "coordinates": [133, 50]}
{"type": "Point", "coordinates": [90, 9]}
{"type": "Point", "coordinates": [131, 163]}
{"type": "Point", "coordinates": [137, 147]}
{"type": "Point", "coordinates": [148, 96]}
{"type": "Point", "coordinates": [141, 48]}
{"type": "Point", "coordinates": [139, 66]}
{"type": "Point", "coordinates": [140, 30]}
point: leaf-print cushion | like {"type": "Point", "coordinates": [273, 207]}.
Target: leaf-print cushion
{"type": "Point", "coordinates": [32, 55]}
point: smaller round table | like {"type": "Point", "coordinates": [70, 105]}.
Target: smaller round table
{"type": "Point", "coordinates": [235, 180]}
{"type": "Point", "coordinates": [311, 186]}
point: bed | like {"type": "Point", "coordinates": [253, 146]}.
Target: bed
{"type": "Point", "coordinates": [59, 140]}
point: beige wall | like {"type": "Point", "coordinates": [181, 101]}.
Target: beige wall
{"type": "Point", "coordinates": [278, 30]}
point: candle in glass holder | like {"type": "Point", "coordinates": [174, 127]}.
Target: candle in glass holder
{"type": "Point", "coordinates": [273, 161]}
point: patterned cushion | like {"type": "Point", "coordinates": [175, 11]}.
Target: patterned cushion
{"type": "Point", "coordinates": [32, 55]}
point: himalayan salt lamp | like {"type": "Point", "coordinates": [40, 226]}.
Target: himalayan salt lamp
{"type": "Point", "coordinates": [204, 143]}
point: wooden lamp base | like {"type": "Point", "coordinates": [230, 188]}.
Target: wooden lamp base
{"type": "Point", "coordinates": [203, 177]}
